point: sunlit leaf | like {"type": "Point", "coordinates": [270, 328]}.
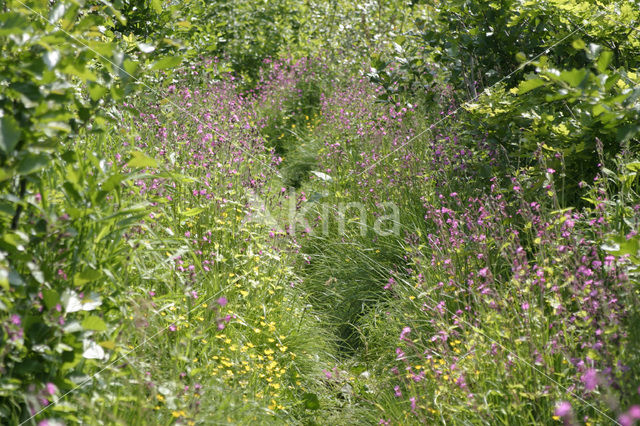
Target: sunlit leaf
{"type": "Point", "coordinates": [9, 134]}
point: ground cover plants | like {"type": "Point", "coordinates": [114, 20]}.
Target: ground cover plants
{"type": "Point", "coordinates": [319, 212]}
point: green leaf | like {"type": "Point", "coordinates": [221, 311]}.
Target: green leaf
{"type": "Point", "coordinates": [604, 60]}
{"type": "Point", "coordinates": [32, 163]}
{"type": "Point", "coordinates": [12, 23]}
{"type": "Point", "coordinates": [598, 109]}
{"type": "Point", "coordinates": [95, 323]}
{"type": "Point", "coordinates": [157, 6]}
{"type": "Point", "coordinates": [627, 132]}
{"type": "Point", "coordinates": [86, 276]}
{"type": "Point", "coordinates": [4, 282]}
{"type": "Point", "coordinates": [578, 44]}
{"type": "Point", "coordinates": [310, 401]}
{"type": "Point", "coordinates": [167, 62]}
{"type": "Point", "coordinates": [192, 212]}
{"type": "Point", "coordinates": [140, 160]}
{"type": "Point", "coordinates": [108, 344]}
{"type": "Point", "coordinates": [51, 298]}
{"type": "Point", "coordinates": [113, 182]}
{"type": "Point", "coordinates": [96, 91]}
{"type": "Point", "coordinates": [9, 134]}
{"type": "Point", "coordinates": [633, 167]}
{"type": "Point", "coordinates": [528, 85]}
{"type": "Point", "coordinates": [573, 77]}
{"type": "Point", "coordinates": [80, 71]}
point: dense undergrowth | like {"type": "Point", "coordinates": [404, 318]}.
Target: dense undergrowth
{"type": "Point", "coordinates": [319, 213]}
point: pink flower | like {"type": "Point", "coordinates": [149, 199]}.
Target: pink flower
{"type": "Point", "coordinates": [625, 420]}
{"type": "Point", "coordinates": [172, 327]}
{"type": "Point", "coordinates": [15, 319]}
{"type": "Point", "coordinates": [50, 388]}
{"type": "Point", "coordinates": [397, 391]}
{"type": "Point", "coordinates": [590, 379]}
{"type": "Point", "coordinates": [404, 333]}
{"type": "Point", "coordinates": [563, 409]}
{"type": "Point", "coordinates": [634, 412]}
{"type": "Point", "coordinates": [222, 301]}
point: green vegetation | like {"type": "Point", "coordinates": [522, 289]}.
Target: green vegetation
{"type": "Point", "coordinates": [312, 212]}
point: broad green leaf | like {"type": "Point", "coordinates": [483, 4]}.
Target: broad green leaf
{"type": "Point", "coordinates": [51, 298]}
{"type": "Point", "coordinates": [528, 85]}
{"type": "Point", "coordinates": [634, 167]}
{"type": "Point", "coordinates": [167, 62]}
{"type": "Point", "coordinates": [95, 323]}
{"type": "Point", "coordinates": [604, 60]}
{"type": "Point", "coordinates": [140, 160]}
{"type": "Point", "coordinates": [627, 132]}
{"type": "Point", "coordinates": [578, 44]}
{"type": "Point", "coordinates": [97, 91]}
{"type": "Point", "coordinates": [574, 77]}
{"type": "Point", "coordinates": [108, 344]}
{"type": "Point", "coordinates": [12, 23]}
{"type": "Point", "coordinates": [80, 71]}
{"type": "Point", "coordinates": [157, 6]}
{"type": "Point", "coordinates": [9, 134]}
{"type": "Point", "coordinates": [86, 276]}
{"type": "Point", "coordinates": [113, 182]}
{"type": "Point", "coordinates": [598, 109]}
{"type": "Point", "coordinates": [32, 163]}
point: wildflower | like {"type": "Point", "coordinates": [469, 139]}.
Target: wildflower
{"type": "Point", "coordinates": [397, 391]}
{"type": "Point", "coordinates": [563, 409]}
{"type": "Point", "coordinates": [172, 327]}
{"type": "Point", "coordinates": [15, 319]}
{"type": "Point", "coordinates": [625, 420]}
{"type": "Point", "coordinates": [389, 284]}
{"type": "Point", "coordinates": [222, 301]}
{"type": "Point", "coordinates": [404, 333]}
{"type": "Point", "coordinates": [50, 388]}
{"type": "Point", "coordinates": [590, 379]}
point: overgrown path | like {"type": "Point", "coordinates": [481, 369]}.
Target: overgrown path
{"type": "Point", "coordinates": [357, 278]}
